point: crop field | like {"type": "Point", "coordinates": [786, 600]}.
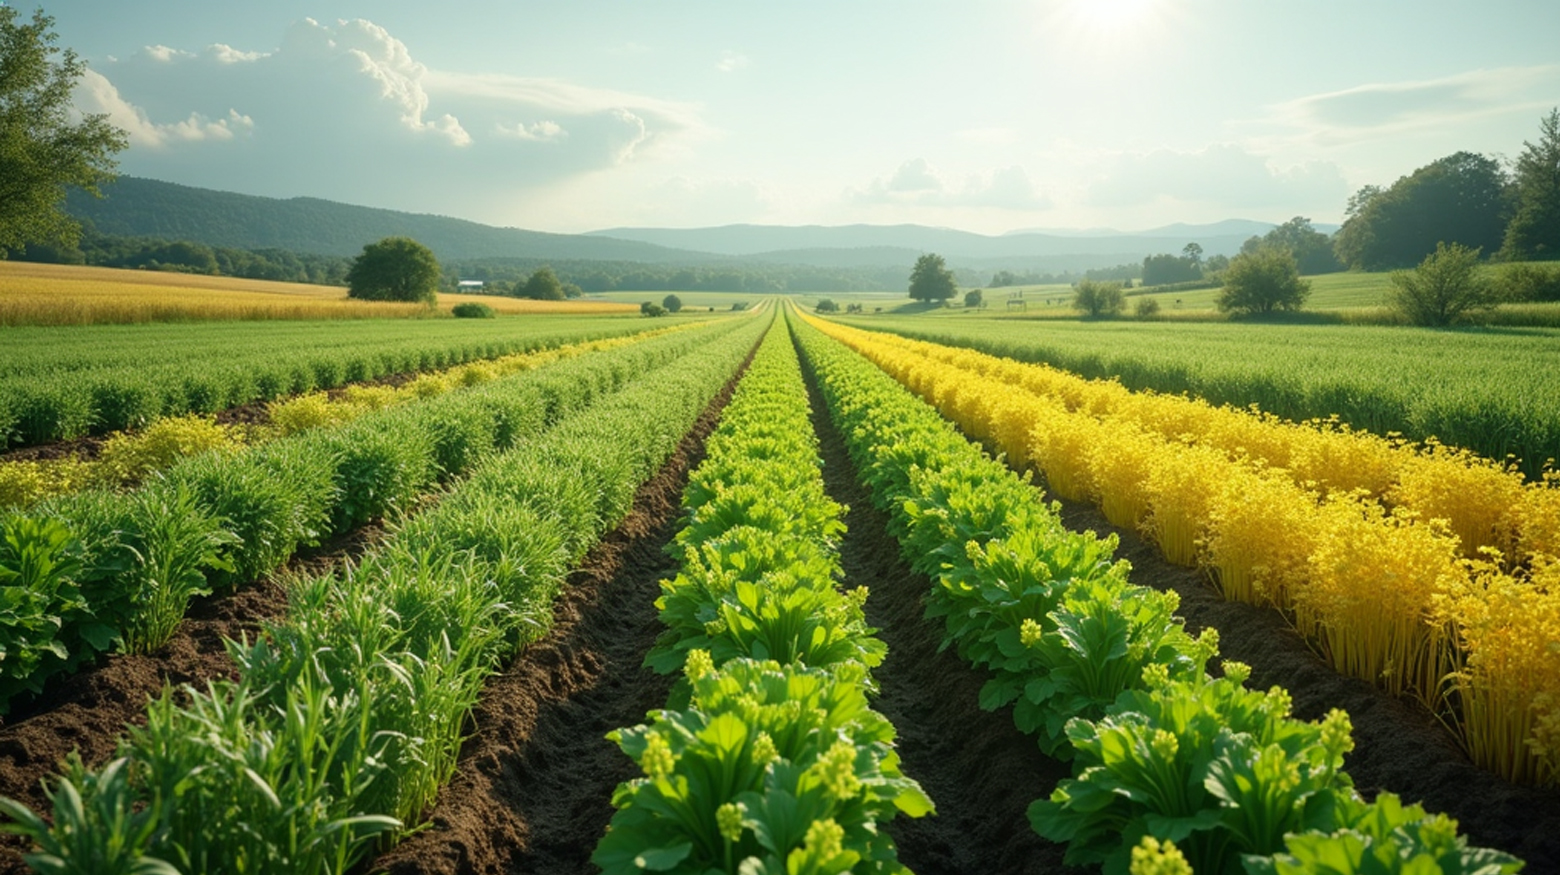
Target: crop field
{"type": "Point", "coordinates": [764, 593]}
{"type": "Point", "coordinates": [1495, 391]}
{"type": "Point", "coordinates": [50, 294]}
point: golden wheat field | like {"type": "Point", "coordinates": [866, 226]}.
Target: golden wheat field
{"type": "Point", "coordinates": [55, 294]}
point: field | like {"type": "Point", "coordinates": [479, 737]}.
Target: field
{"type": "Point", "coordinates": [48, 294]}
{"type": "Point", "coordinates": [623, 595]}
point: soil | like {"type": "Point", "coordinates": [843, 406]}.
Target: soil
{"type": "Point", "coordinates": [979, 770]}
{"type": "Point", "coordinates": [533, 788]}
{"type": "Point", "coordinates": [1399, 745]}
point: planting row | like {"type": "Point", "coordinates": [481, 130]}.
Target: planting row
{"type": "Point", "coordinates": [1486, 504]}
{"type": "Point", "coordinates": [62, 383]}
{"type": "Point", "coordinates": [768, 759]}
{"type": "Point", "coordinates": [98, 570]}
{"type": "Point", "coordinates": [1102, 672]}
{"type": "Point", "coordinates": [346, 717]}
{"type": "Point", "coordinates": [1492, 391]}
{"type": "Point", "coordinates": [125, 458]}
{"type": "Point", "coordinates": [1385, 596]}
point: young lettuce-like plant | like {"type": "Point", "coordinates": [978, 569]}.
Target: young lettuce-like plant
{"type": "Point", "coordinates": [771, 769]}
{"type": "Point", "coordinates": [1384, 837]}
{"type": "Point", "coordinates": [1218, 769]}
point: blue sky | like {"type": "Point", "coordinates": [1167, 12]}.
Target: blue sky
{"type": "Point", "coordinates": [987, 115]}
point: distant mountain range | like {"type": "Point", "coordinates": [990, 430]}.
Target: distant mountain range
{"type": "Point", "coordinates": [144, 207]}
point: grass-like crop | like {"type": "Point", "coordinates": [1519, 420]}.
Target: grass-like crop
{"type": "Point", "coordinates": [52, 294]}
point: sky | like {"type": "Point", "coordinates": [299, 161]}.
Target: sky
{"type": "Point", "coordinates": [985, 115]}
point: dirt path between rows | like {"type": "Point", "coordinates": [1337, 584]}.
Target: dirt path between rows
{"type": "Point", "coordinates": [981, 772]}
{"type": "Point", "coordinates": [1399, 745]}
{"type": "Point", "coordinates": [533, 789]}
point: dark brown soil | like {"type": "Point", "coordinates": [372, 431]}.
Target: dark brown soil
{"type": "Point", "coordinates": [533, 789]}
{"type": "Point", "coordinates": [1399, 745]}
{"type": "Point", "coordinates": [979, 770]}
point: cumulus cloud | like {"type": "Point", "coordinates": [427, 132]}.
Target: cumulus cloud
{"type": "Point", "coordinates": [917, 183]}
{"type": "Point", "coordinates": [1377, 109]}
{"type": "Point", "coordinates": [1226, 175]}
{"type": "Point", "coordinates": [344, 110]}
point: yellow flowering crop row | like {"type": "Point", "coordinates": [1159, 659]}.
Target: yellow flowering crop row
{"type": "Point", "coordinates": [1383, 594]}
{"type": "Point", "coordinates": [127, 457]}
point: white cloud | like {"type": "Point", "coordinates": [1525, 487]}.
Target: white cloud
{"type": "Point", "coordinates": [345, 111]}
{"type": "Point", "coordinates": [95, 94]}
{"type": "Point", "coordinates": [917, 183]}
{"type": "Point", "coordinates": [1224, 175]}
{"type": "Point", "coordinates": [730, 61]}
{"type": "Point", "coordinates": [1381, 109]}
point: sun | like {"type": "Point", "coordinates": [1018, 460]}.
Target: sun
{"type": "Point", "coordinates": [1110, 15]}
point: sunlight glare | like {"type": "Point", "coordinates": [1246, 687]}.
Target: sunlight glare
{"type": "Point", "coordinates": [1110, 14]}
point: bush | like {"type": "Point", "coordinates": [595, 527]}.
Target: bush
{"type": "Point", "coordinates": [974, 299]}
{"type": "Point", "coordinates": [1444, 287]}
{"type": "Point", "coordinates": [1147, 308]}
{"type": "Point", "coordinates": [1522, 283]}
{"type": "Point", "coordinates": [652, 309]}
{"type": "Point", "coordinates": [473, 310]}
{"type": "Point", "coordinates": [1262, 282]}
{"type": "Point", "coordinates": [1098, 299]}
{"type": "Point", "coordinates": [827, 305]}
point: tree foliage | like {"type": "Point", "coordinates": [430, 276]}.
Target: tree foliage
{"type": "Point", "coordinates": [1313, 250]}
{"type": "Point", "coordinates": [1534, 230]}
{"type": "Point", "coordinates": [930, 279]}
{"type": "Point", "coordinates": [1443, 287]}
{"type": "Point", "coordinates": [1165, 269]}
{"type": "Point", "coordinates": [1098, 299]}
{"type": "Point", "coordinates": [974, 299]}
{"type": "Point", "coordinates": [543, 285]}
{"type": "Point", "coordinates": [827, 305]}
{"type": "Point", "coordinates": [1457, 199]}
{"type": "Point", "coordinates": [43, 148]}
{"type": "Point", "coordinates": [395, 269]}
{"type": "Point", "coordinates": [1262, 281]}
{"type": "Point", "coordinates": [672, 303]}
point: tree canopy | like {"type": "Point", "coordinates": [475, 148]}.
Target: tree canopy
{"type": "Point", "coordinates": [672, 303]}
{"type": "Point", "coordinates": [1159, 270]}
{"type": "Point", "coordinates": [1457, 199]}
{"type": "Point", "coordinates": [395, 269]}
{"type": "Point", "coordinates": [1534, 230]}
{"type": "Point", "coordinates": [1313, 250]}
{"type": "Point", "coordinates": [930, 279]}
{"type": "Point", "coordinates": [543, 285]}
{"type": "Point", "coordinates": [43, 148]}
{"type": "Point", "coordinates": [1099, 299]}
{"type": "Point", "coordinates": [1262, 281]}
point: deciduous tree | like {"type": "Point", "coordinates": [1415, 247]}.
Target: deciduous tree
{"type": "Point", "coordinates": [543, 285]}
{"type": "Point", "coordinates": [930, 279]}
{"type": "Point", "coordinates": [1457, 199]}
{"type": "Point", "coordinates": [1098, 299]}
{"type": "Point", "coordinates": [1534, 230]}
{"type": "Point", "coordinates": [395, 269]}
{"type": "Point", "coordinates": [43, 148]}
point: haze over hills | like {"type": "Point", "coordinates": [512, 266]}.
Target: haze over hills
{"type": "Point", "coordinates": [144, 207]}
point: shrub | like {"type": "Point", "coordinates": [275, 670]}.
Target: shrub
{"type": "Point", "coordinates": [473, 310]}
{"type": "Point", "coordinates": [827, 305]}
{"type": "Point", "coordinates": [1262, 282]}
{"type": "Point", "coordinates": [1444, 287]}
{"type": "Point", "coordinates": [1147, 308]}
{"type": "Point", "coordinates": [651, 309]}
{"type": "Point", "coordinates": [1097, 299]}
{"type": "Point", "coordinates": [1524, 282]}
{"type": "Point", "coordinates": [974, 299]}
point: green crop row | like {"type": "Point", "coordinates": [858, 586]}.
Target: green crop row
{"type": "Point", "coordinates": [348, 715]}
{"type": "Point", "coordinates": [100, 570]}
{"type": "Point", "coordinates": [62, 383]}
{"type": "Point", "coordinates": [1494, 391]}
{"type": "Point", "coordinates": [769, 759]}
{"type": "Point", "coordinates": [1102, 672]}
